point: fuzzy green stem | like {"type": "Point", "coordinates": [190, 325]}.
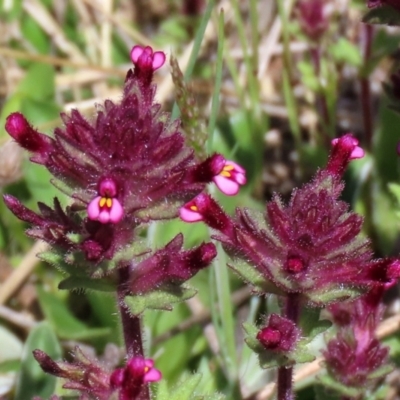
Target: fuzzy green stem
{"type": "Point", "coordinates": [285, 375]}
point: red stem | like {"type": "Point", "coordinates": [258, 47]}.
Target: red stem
{"type": "Point", "coordinates": [285, 375]}
{"type": "Point", "coordinates": [131, 326]}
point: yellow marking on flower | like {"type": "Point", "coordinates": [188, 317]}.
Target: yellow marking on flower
{"type": "Point", "coordinates": [228, 167]}
{"type": "Point", "coordinates": [194, 208]}
{"type": "Point", "coordinates": [105, 202]}
{"type": "Point", "coordinates": [226, 174]}
{"type": "Point", "coordinates": [146, 369]}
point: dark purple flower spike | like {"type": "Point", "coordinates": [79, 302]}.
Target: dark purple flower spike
{"type": "Point", "coordinates": [355, 359]}
{"type": "Point", "coordinates": [311, 246]}
{"type": "Point", "coordinates": [312, 18]}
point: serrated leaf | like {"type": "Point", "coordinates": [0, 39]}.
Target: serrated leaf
{"type": "Point", "coordinates": [334, 295]}
{"type": "Point", "coordinates": [32, 381]}
{"type": "Point", "coordinates": [381, 372]}
{"type": "Point", "coordinates": [311, 325]}
{"type": "Point", "coordinates": [252, 277]}
{"type": "Point", "coordinates": [383, 15]}
{"type": "Point", "coordinates": [184, 390]}
{"type": "Point", "coordinates": [81, 282]}
{"type": "Point", "coordinates": [331, 383]}
{"type": "Point", "coordinates": [160, 299]}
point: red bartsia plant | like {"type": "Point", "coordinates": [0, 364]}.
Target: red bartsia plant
{"type": "Point", "coordinates": [307, 251]}
{"type": "Point", "coordinates": [128, 166]}
{"type": "Point", "coordinates": [310, 247]}
{"type": "Point", "coordinates": [94, 381]}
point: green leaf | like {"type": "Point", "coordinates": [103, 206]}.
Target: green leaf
{"type": "Point", "coordinates": [33, 33]}
{"type": "Point", "coordinates": [161, 299]}
{"type": "Point", "coordinates": [311, 325]}
{"type": "Point", "coordinates": [63, 322]}
{"type": "Point", "coordinates": [343, 51]}
{"type": "Point", "coordinates": [184, 390]}
{"type": "Point", "coordinates": [32, 381]}
{"type": "Point", "coordinates": [82, 282]}
{"type": "Point", "coordinates": [381, 372]}
{"type": "Point", "coordinates": [252, 277]}
{"type": "Point", "coordinates": [335, 294]}
{"type": "Point", "coordinates": [384, 15]}
{"type": "Point", "coordinates": [308, 76]}
{"type": "Point", "coordinates": [331, 383]}
{"type": "Point", "coordinates": [38, 83]}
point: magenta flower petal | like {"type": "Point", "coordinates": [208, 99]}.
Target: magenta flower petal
{"type": "Point", "coordinates": [229, 179]}
{"type": "Point", "coordinates": [136, 52]}
{"type": "Point", "coordinates": [188, 215]}
{"type": "Point", "coordinates": [93, 209]}
{"type": "Point", "coordinates": [158, 59]}
{"type": "Point", "coordinates": [358, 152]}
{"type": "Point", "coordinates": [104, 217]}
{"type": "Point", "coordinates": [151, 374]}
{"type": "Point", "coordinates": [226, 185]}
{"type": "Point", "coordinates": [116, 211]}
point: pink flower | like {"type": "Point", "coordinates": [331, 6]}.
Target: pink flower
{"type": "Point", "coordinates": [205, 208]}
{"type": "Point", "coordinates": [344, 149]}
{"type": "Point", "coordinates": [230, 178]}
{"type": "Point", "coordinates": [190, 212]}
{"type": "Point", "coordinates": [356, 152]}
{"type": "Point", "coordinates": [130, 380]}
{"type": "Point", "coordinates": [226, 174]}
{"type": "Point", "coordinates": [105, 207]}
{"type": "Point", "coordinates": [144, 57]}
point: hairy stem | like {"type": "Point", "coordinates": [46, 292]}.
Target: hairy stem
{"type": "Point", "coordinates": [131, 326]}
{"type": "Point", "coordinates": [285, 375]}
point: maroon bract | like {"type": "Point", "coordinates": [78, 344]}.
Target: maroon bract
{"type": "Point", "coordinates": [170, 265]}
{"type": "Point", "coordinates": [84, 374]}
{"type": "Point", "coordinates": [280, 334]}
